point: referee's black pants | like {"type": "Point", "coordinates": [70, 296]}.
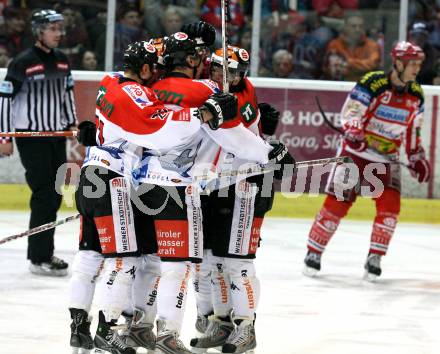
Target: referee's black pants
{"type": "Point", "coordinates": [41, 158]}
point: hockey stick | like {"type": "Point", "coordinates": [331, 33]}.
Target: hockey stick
{"type": "Point", "coordinates": [258, 169]}
{"type": "Point", "coordinates": [40, 228]}
{"type": "Point", "coordinates": [38, 134]}
{"type": "Point", "coordinates": [340, 131]}
{"type": "Point", "coordinates": [224, 5]}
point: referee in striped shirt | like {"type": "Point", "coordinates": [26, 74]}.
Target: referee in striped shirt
{"type": "Point", "coordinates": [37, 95]}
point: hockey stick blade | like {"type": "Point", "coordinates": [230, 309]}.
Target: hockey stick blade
{"type": "Point", "coordinates": [39, 229]}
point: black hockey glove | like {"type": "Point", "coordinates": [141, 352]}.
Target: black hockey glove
{"type": "Point", "coordinates": [280, 157]}
{"type": "Point", "coordinates": [269, 118]}
{"type": "Point", "coordinates": [223, 107]}
{"type": "Point", "coordinates": [86, 133]}
{"type": "Point", "coordinates": [202, 30]}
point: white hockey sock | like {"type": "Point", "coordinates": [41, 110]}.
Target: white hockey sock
{"type": "Point", "coordinates": [85, 269]}
{"type": "Point", "coordinates": [245, 287]}
{"type": "Point", "coordinates": [221, 287]}
{"type": "Point", "coordinates": [114, 287]}
{"type": "Point", "coordinates": [173, 287]}
{"type": "Point", "coordinates": [201, 279]}
{"type": "Point", "coordinates": [145, 286]}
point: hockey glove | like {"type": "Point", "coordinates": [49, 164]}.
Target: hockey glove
{"type": "Point", "coordinates": [86, 133]}
{"type": "Point", "coordinates": [223, 107]}
{"type": "Point", "coordinates": [354, 135]}
{"type": "Point", "coordinates": [419, 166]}
{"type": "Point", "coordinates": [280, 157]}
{"type": "Point", "coordinates": [202, 30]}
{"type": "Point", "coordinates": [269, 118]}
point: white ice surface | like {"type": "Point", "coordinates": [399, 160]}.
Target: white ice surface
{"type": "Point", "coordinates": [336, 313]}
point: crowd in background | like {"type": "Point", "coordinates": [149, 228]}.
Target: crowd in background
{"type": "Point", "coordinates": [303, 39]}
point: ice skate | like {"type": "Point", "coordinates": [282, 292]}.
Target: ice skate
{"type": "Point", "coordinates": [372, 267]}
{"type": "Point", "coordinates": [202, 323]}
{"type": "Point", "coordinates": [81, 340]}
{"type": "Point", "coordinates": [140, 334]}
{"type": "Point", "coordinates": [168, 342]}
{"type": "Point", "coordinates": [55, 268]}
{"type": "Point", "coordinates": [108, 341]}
{"type": "Point", "coordinates": [215, 336]}
{"type": "Point", "coordinates": [242, 338]}
{"type": "Point", "coordinates": [312, 264]}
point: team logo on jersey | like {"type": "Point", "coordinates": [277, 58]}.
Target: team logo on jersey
{"type": "Point", "coordinates": [138, 95]}
{"type": "Point", "coordinates": [248, 112]}
{"type": "Point", "coordinates": [243, 54]}
{"type": "Point", "coordinates": [180, 36]}
{"type": "Point", "coordinates": [34, 69]}
{"type": "Point", "coordinates": [160, 114]}
{"type": "Point", "coordinates": [7, 87]}
{"type": "Point", "coordinates": [392, 113]}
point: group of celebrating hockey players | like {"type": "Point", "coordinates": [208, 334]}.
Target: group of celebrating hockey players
{"type": "Point", "coordinates": [142, 230]}
{"type": "Point", "coordinates": [156, 211]}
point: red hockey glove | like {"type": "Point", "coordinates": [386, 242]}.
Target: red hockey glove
{"type": "Point", "coordinates": [419, 165]}
{"type": "Point", "coordinates": [354, 136]}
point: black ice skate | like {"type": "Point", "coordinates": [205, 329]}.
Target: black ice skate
{"type": "Point", "coordinates": [81, 340]}
{"type": "Point", "coordinates": [168, 341]}
{"type": "Point", "coordinates": [215, 335]}
{"type": "Point", "coordinates": [202, 323]}
{"type": "Point", "coordinates": [108, 341]}
{"type": "Point", "coordinates": [55, 268]}
{"type": "Point", "coordinates": [140, 334]}
{"type": "Point", "coordinates": [372, 267]}
{"type": "Point", "coordinates": [312, 264]}
{"type": "Point", "coordinates": [242, 338]}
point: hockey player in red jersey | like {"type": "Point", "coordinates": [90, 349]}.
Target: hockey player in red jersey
{"type": "Point", "coordinates": [382, 111]}
{"type": "Point", "coordinates": [233, 215]}
{"type": "Point", "coordinates": [129, 117]}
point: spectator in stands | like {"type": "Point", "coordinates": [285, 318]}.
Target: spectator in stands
{"type": "Point", "coordinates": [5, 58]}
{"type": "Point", "coordinates": [96, 26]}
{"type": "Point", "coordinates": [14, 34]}
{"type": "Point", "coordinates": [89, 61]}
{"type": "Point", "coordinates": [128, 29]}
{"type": "Point", "coordinates": [282, 64]}
{"type": "Point", "coordinates": [418, 35]}
{"type": "Point", "coordinates": [75, 38]}
{"type": "Point", "coordinates": [334, 67]}
{"type": "Point", "coordinates": [334, 8]}
{"type": "Point", "coordinates": [172, 20]}
{"type": "Point", "coordinates": [361, 53]}
{"type": "Point", "coordinates": [210, 11]}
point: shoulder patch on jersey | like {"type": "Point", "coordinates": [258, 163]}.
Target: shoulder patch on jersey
{"type": "Point", "coordinates": [210, 84]}
{"type": "Point", "coordinates": [62, 66]}
{"type": "Point", "coordinates": [6, 87]}
{"type": "Point", "coordinates": [416, 90]}
{"type": "Point", "coordinates": [375, 81]}
{"type": "Point", "coordinates": [138, 95]}
{"type": "Point", "coordinates": [70, 81]}
{"type": "Point", "coordinates": [32, 70]}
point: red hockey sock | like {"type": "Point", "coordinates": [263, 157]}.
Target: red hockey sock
{"type": "Point", "coordinates": [388, 208]}
{"type": "Point", "coordinates": [326, 223]}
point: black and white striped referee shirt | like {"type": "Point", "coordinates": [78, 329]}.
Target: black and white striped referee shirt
{"type": "Point", "coordinates": [37, 93]}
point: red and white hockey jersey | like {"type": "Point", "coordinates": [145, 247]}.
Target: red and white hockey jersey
{"type": "Point", "coordinates": [388, 117]}
{"type": "Point", "coordinates": [179, 165]}
{"type": "Point", "coordinates": [129, 116]}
